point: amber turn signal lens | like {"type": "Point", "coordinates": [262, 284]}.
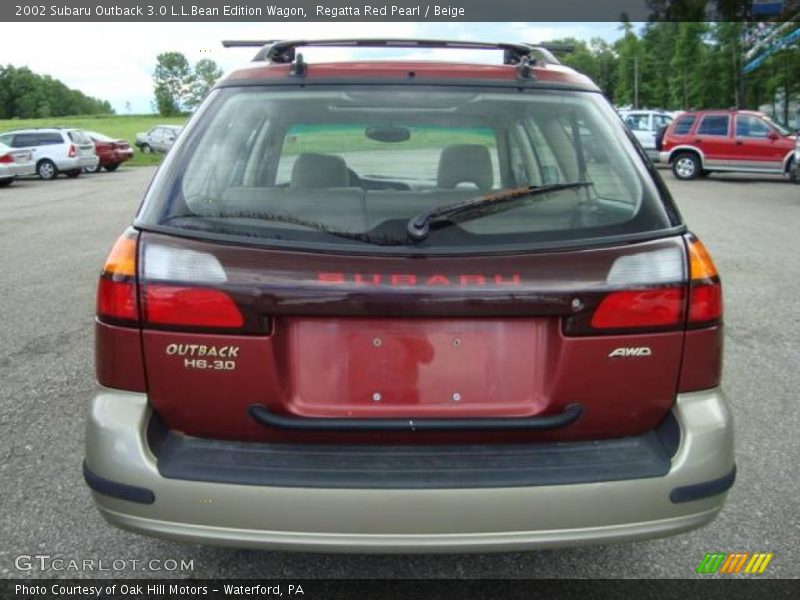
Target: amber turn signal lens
{"type": "Point", "coordinates": [121, 260]}
{"type": "Point", "coordinates": [700, 264]}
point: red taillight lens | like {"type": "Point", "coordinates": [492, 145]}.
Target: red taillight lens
{"type": "Point", "coordinates": [706, 303]}
{"type": "Point", "coordinates": [6, 159]}
{"type": "Point", "coordinates": [73, 151]}
{"type": "Point", "coordinates": [116, 300]}
{"type": "Point", "coordinates": [639, 308]}
{"type": "Point", "coordinates": [190, 307]}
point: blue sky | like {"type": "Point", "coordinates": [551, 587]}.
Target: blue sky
{"type": "Point", "coordinates": [115, 61]}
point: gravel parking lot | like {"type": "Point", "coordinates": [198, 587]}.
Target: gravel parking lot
{"type": "Point", "coordinates": [55, 235]}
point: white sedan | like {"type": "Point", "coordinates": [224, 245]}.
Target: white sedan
{"type": "Point", "coordinates": [14, 163]}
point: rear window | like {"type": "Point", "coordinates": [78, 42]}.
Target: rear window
{"type": "Point", "coordinates": [349, 167]}
{"type": "Point", "coordinates": [100, 137]}
{"type": "Point", "coordinates": [638, 122]}
{"type": "Point", "coordinates": [714, 125]}
{"type": "Point", "coordinates": [684, 125]}
{"type": "Point", "coordinates": [79, 137]}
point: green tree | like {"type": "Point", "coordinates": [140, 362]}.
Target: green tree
{"type": "Point", "coordinates": [173, 80]}
{"type": "Point", "coordinates": [595, 60]}
{"type": "Point", "coordinates": [628, 67]}
{"type": "Point", "coordinates": [25, 94]}
{"type": "Point", "coordinates": [206, 74]}
{"type": "Point", "coordinates": [687, 67]}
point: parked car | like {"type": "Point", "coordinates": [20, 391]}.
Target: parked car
{"type": "Point", "coordinates": [111, 152]}
{"type": "Point", "coordinates": [646, 125]}
{"type": "Point", "coordinates": [159, 139]}
{"type": "Point", "coordinates": [702, 142]}
{"type": "Point", "coordinates": [54, 150]}
{"type": "Point", "coordinates": [360, 310]}
{"type": "Point", "coordinates": [13, 164]}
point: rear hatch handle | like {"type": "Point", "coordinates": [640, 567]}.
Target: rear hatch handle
{"type": "Point", "coordinates": [569, 415]}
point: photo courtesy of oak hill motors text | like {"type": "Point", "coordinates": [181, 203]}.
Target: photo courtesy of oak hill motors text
{"type": "Point", "coordinates": [268, 11]}
{"type": "Point", "coordinates": [174, 590]}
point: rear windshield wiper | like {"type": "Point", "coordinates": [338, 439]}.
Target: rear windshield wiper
{"type": "Point", "coordinates": [419, 225]}
{"type": "Point", "coordinates": [378, 239]}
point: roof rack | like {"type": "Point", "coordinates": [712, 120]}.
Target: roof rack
{"type": "Point", "coordinates": [284, 51]}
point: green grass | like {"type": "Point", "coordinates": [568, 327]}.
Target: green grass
{"type": "Point", "coordinates": [350, 138]}
{"type": "Point", "coordinates": [124, 127]}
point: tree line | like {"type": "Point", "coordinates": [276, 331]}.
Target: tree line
{"type": "Point", "coordinates": [685, 65]}
{"type": "Point", "coordinates": [28, 95]}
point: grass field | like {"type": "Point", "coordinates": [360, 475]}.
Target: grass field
{"type": "Point", "coordinates": [335, 139]}
{"type": "Point", "coordinates": [124, 127]}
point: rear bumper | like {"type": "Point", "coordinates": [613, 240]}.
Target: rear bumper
{"type": "Point", "coordinates": [116, 157]}
{"type": "Point", "coordinates": [76, 162]}
{"type": "Point", "coordinates": [663, 157]}
{"type": "Point", "coordinates": [120, 464]}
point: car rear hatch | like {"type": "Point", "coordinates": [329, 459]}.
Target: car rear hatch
{"type": "Point", "coordinates": [280, 296]}
{"type": "Point", "coordinates": [84, 147]}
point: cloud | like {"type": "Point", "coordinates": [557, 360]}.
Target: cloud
{"type": "Point", "coordinates": [115, 61]}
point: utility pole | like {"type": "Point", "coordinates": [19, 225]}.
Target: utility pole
{"type": "Point", "coordinates": [736, 76]}
{"type": "Point", "coordinates": [636, 81]}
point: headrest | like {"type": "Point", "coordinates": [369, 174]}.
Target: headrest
{"type": "Point", "coordinates": [465, 163]}
{"type": "Point", "coordinates": [319, 171]}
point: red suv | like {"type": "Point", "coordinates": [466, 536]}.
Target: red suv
{"type": "Point", "coordinates": [408, 306]}
{"type": "Point", "coordinates": [702, 142]}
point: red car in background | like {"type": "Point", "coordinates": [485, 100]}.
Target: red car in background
{"type": "Point", "coordinates": [702, 142]}
{"type": "Point", "coordinates": [111, 152]}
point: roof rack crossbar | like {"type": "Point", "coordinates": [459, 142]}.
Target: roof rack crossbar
{"type": "Point", "coordinates": [284, 51]}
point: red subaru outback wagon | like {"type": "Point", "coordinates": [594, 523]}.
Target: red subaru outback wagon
{"type": "Point", "coordinates": [408, 306]}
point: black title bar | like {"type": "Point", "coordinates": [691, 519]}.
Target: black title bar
{"type": "Point", "coordinates": [397, 10]}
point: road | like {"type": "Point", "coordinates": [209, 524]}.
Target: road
{"type": "Point", "coordinates": [55, 235]}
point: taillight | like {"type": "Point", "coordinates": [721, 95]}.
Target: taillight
{"type": "Point", "coordinates": [116, 292]}
{"type": "Point", "coordinates": [73, 151]}
{"type": "Point", "coordinates": [176, 294]}
{"type": "Point", "coordinates": [116, 300]}
{"type": "Point", "coordinates": [6, 159]}
{"type": "Point", "coordinates": [701, 368]}
{"type": "Point", "coordinates": [190, 307]}
{"type": "Point", "coordinates": [705, 288]}
{"type": "Point", "coordinates": [648, 294]}
{"type": "Point", "coordinates": [639, 308]}
{"type": "Point", "coordinates": [118, 344]}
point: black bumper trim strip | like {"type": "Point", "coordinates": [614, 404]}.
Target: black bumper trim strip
{"type": "Point", "coordinates": [706, 489]}
{"type": "Point", "coordinates": [394, 466]}
{"type": "Point", "coordinates": [539, 423]}
{"type": "Point", "coordinates": [123, 491]}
